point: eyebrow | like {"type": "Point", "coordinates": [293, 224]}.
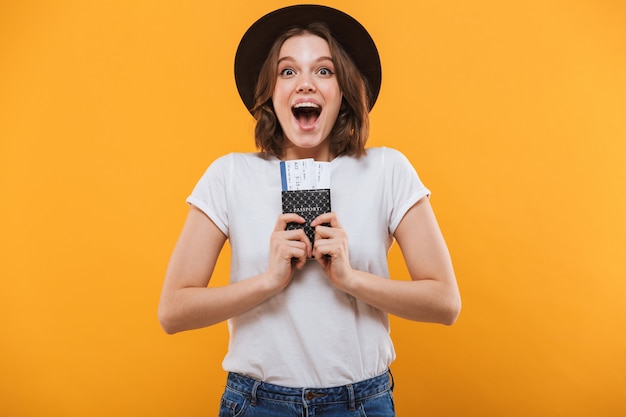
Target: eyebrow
{"type": "Point", "coordinates": [320, 59]}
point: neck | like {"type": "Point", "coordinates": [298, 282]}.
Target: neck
{"type": "Point", "coordinates": [319, 154]}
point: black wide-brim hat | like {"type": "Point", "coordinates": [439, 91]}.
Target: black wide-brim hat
{"type": "Point", "coordinates": [256, 43]}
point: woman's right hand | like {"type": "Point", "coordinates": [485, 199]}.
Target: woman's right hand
{"type": "Point", "coordinates": [289, 249]}
{"type": "Point", "coordinates": [189, 302]}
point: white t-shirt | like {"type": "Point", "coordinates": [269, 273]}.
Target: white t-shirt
{"type": "Point", "coordinates": [311, 334]}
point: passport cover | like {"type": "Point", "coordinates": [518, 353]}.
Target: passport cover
{"type": "Point", "coordinates": [308, 204]}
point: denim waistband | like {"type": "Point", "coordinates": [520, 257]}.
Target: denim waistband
{"type": "Point", "coordinates": [350, 393]}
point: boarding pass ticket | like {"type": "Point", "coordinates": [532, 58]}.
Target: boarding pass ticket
{"type": "Point", "coordinates": [304, 174]}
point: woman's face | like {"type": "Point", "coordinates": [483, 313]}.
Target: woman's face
{"type": "Point", "coordinates": [307, 96]}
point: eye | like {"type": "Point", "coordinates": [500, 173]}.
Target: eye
{"type": "Point", "coordinates": [287, 72]}
{"type": "Point", "coordinates": [325, 72]}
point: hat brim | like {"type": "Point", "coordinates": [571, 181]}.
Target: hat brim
{"type": "Point", "coordinates": [259, 38]}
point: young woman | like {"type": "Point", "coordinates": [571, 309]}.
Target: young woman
{"type": "Point", "coordinates": [309, 332]}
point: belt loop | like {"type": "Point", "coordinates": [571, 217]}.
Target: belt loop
{"type": "Point", "coordinates": [393, 382]}
{"type": "Point", "coordinates": [351, 398]}
{"type": "Point", "coordinates": [305, 404]}
{"type": "Point", "coordinates": [253, 393]}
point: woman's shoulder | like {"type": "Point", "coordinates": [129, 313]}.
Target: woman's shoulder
{"type": "Point", "coordinates": [384, 154]}
{"type": "Point", "coordinates": [390, 160]}
{"type": "Point", "coordinates": [384, 151]}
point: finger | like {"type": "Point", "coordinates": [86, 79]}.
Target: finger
{"type": "Point", "coordinates": [322, 260]}
{"type": "Point", "coordinates": [328, 218]}
{"type": "Point", "coordinates": [326, 231]}
{"type": "Point", "coordinates": [299, 262]}
{"type": "Point", "coordinates": [322, 247]}
{"type": "Point", "coordinates": [294, 235]}
{"type": "Point", "coordinates": [284, 219]}
{"type": "Point", "coordinates": [296, 249]}
{"type": "Point", "coordinates": [322, 231]}
{"type": "Point", "coordinates": [321, 253]}
{"type": "Point", "coordinates": [298, 252]}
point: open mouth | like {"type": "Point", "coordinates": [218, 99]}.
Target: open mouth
{"type": "Point", "coordinates": [306, 113]}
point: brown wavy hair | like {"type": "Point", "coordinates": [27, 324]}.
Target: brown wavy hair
{"type": "Point", "coordinates": [351, 129]}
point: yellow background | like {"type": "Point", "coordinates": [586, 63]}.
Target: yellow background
{"type": "Point", "coordinates": [514, 114]}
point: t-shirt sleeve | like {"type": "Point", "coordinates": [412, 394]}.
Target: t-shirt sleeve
{"type": "Point", "coordinates": [209, 194]}
{"type": "Point", "coordinates": [406, 187]}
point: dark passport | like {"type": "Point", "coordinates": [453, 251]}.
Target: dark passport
{"type": "Point", "coordinates": [306, 203]}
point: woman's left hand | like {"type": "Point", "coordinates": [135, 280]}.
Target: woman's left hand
{"type": "Point", "coordinates": [331, 250]}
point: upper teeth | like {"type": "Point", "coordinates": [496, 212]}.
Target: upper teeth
{"type": "Point", "coordinates": [305, 104]}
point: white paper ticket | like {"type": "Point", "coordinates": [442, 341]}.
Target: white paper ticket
{"type": "Point", "coordinates": [304, 174]}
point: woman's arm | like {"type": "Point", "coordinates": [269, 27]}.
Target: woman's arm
{"type": "Point", "coordinates": [432, 295]}
{"type": "Point", "coordinates": [186, 301]}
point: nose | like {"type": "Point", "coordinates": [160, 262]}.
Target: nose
{"type": "Point", "coordinates": [305, 84]}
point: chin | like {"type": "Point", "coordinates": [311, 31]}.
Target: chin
{"type": "Point", "coordinates": [306, 140]}
{"type": "Point", "coordinates": [308, 144]}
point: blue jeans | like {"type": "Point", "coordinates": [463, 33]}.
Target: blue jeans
{"type": "Point", "coordinates": [247, 397]}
